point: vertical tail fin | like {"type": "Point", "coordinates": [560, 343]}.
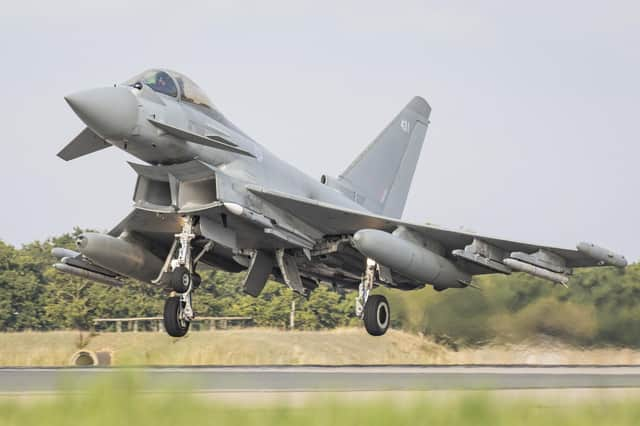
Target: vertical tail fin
{"type": "Point", "coordinates": [382, 173]}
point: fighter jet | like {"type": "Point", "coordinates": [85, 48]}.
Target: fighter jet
{"type": "Point", "coordinates": [209, 195]}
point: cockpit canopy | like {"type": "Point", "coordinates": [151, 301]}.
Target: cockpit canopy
{"type": "Point", "coordinates": [172, 84]}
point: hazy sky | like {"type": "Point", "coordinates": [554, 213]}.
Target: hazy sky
{"type": "Point", "coordinates": [533, 136]}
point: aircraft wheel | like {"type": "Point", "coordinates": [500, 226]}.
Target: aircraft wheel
{"type": "Point", "coordinates": [197, 280]}
{"type": "Point", "coordinates": [180, 279]}
{"type": "Point", "coordinates": [174, 322]}
{"type": "Point", "coordinates": [377, 315]}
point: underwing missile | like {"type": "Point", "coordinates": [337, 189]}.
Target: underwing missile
{"type": "Point", "coordinates": [83, 273]}
{"type": "Point", "coordinates": [602, 254]}
{"type": "Point", "coordinates": [410, 259]}
{"type": "Point", "coordinates": [537, 271]}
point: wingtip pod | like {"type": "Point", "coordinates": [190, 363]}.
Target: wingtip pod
{"type": "Point", "coordinates": [606, 257]}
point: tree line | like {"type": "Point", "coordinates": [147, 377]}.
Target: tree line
{"type": "Point", "coordinates": [600, 307]}
{"type": "Point", "coordinates": [34, 296]}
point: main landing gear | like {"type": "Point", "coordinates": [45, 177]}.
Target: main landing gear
{"type": "Point", "coordinates": [372, 309]}
{"type": "Point", "coordinates": [182, 280]}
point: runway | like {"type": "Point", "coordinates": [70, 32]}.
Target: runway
{"type": "Point", "coordinates": [329, 379]}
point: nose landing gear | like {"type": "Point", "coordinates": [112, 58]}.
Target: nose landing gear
{"type": "Point", "coordinates": [178, 309]}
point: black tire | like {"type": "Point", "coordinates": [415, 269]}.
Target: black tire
{"type": "Point", "coordinates": [180, 279]}
{"type": "Point", "coordinates": [174, 326]}
{"type": "Point", "coordinates": [377, 315]}
{"type": "Point", "coordinates": [196, 280]}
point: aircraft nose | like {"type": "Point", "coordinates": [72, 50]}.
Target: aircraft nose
{"type": "Point", "coordinates": [111, 112]}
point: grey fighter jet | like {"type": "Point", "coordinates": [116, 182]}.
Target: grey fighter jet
{"type": "Point", "coordinates": [208, 194]}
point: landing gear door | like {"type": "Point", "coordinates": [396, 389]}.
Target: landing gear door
{"type": "Point", "coordinates": [259, 271]}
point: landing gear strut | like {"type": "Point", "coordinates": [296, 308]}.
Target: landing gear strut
{"type": "Point", "coordinates": [372, 309]}
{"type": "Point", "coordinates": [182, 279]}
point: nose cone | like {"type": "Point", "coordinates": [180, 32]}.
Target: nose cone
{"type": "Point", "coordinates": [111, 112]}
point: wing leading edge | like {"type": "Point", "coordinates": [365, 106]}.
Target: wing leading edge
{"type": "Point", "coordinates": [333, 220]}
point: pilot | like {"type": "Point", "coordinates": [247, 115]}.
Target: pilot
{"type": "Point", "coordinates": [161, 80]}
{"type": "Point", "coordinates": [163, 83]}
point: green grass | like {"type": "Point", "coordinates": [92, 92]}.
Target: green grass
{"type": "Point", "coordinates": [118, 401]}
